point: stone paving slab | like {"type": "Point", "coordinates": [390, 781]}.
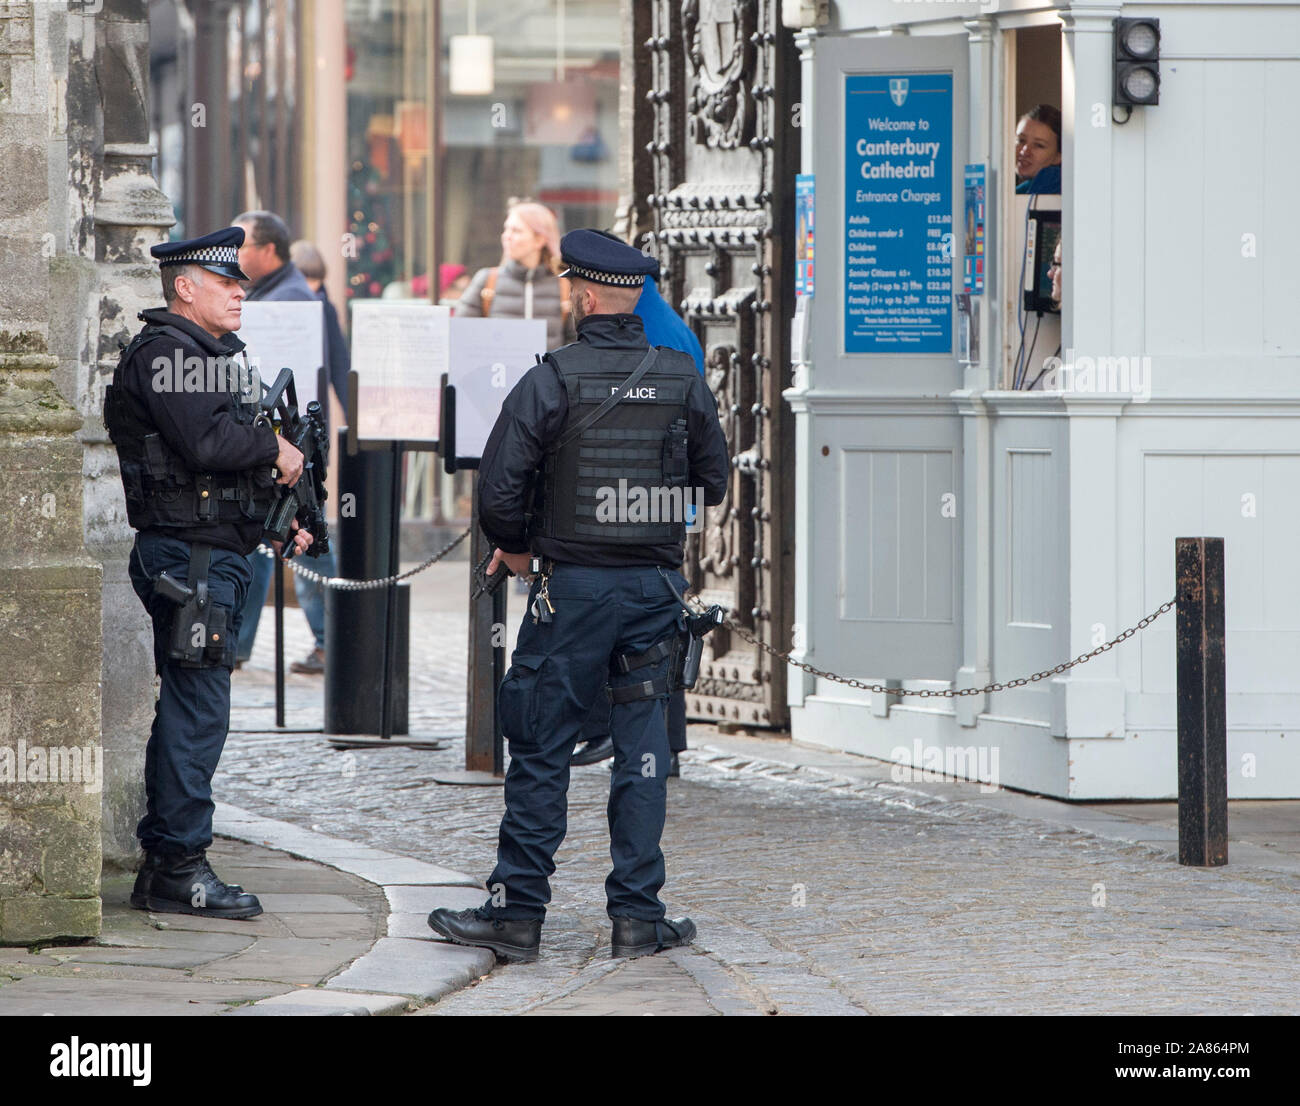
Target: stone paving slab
{"type": "Point", "coordinates": [316, 1001]}
{"type": "Point", "coordinates": [142, 957]}
{"type": "Point", "coordinates": [420, 900]}
{"type": "Point", "coordinates": [287, 960]}
{"type": "Point", "coordinates": [400, 870]}
{"type": "Point", "coordinates": [426, 970]}
{"type": "Point", "coordinates": [275, 903]}
{"type": "Point", "coordinates": [36, 996]}
{"type": "Point", "coordinates": [218, 943]}
{"type": "Point", "coordinates": [411, 925]}
{"type": "Point", "coordinates": [347, 926]}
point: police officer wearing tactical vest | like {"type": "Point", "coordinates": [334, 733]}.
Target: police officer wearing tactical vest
{"type": "Point", "coordinates": [589, 436]}
{"type": "Point", "coordinates": [199, 466]}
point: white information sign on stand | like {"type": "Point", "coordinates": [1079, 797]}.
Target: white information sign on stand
{"type": "Point", "coordinates": [399, 353]}
{"type": "Point", "coordinates": [488, 358]}
{"type": "Point", "coordinates": [285, 334]}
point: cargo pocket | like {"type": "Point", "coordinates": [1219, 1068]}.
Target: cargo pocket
{"type": "Point", "coordinates": [516, 700]}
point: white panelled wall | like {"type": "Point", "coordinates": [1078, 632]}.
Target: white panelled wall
{"type": "Point", "coordinates": [1181, 237]}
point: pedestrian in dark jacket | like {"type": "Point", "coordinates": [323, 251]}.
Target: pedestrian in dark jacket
{"type": "Point", "coordinates": [338, 359]}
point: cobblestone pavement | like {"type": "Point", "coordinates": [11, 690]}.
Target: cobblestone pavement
{"type": "Point", "coordinates": [814, 892]}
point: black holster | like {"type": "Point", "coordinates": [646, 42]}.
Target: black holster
{"type": "Point", "coordinates": [199, 636]}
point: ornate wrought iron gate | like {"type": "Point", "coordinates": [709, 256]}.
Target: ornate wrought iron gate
{"type": "Point", "coordinates": [712, 188]}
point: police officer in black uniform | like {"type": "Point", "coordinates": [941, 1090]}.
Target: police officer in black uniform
{"type": "Point", "coordinates": [583, 442]}
{"type": "Point", "coordinates": [199, 467]}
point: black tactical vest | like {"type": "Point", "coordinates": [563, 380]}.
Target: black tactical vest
{"type": "Point", "coordinates": [161, 491]}
{"type": "Point", "coordinates": [622, 480]}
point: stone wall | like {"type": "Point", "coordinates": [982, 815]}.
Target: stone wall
{"type": "Point", "coordinates": [130, 215]}
{"type": "Point", "coordinates": [51, 758]}
{"type": "Point", "coordinates": [78, 213]}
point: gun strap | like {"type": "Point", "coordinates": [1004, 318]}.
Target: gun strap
{"type": "Point", "coordinates": [660, 650]}
{"type": "Point", "coordinates": [676, 594]}
{"type": "Point", "coordinates": [647, 689]}
{"type": "Point", "coordinates": [600, 412]}
{"type": "Point", "coordinates": [197, 577]}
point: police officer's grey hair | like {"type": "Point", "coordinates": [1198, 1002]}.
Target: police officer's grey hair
{"type": "Point", "coordinates": [171, 272]}
{"type": "Point", "coordinates": [267, 227]}
{"type": "Point", "coordinates": [308, 258]}
{"type": "Point", "coordinates": [614, 299]}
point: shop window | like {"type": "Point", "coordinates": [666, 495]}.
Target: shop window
{"type": "Point", "coordinates": [1032, 196]}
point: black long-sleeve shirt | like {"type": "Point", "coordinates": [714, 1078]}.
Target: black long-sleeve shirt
{"type": "Point", "coordinates": [531, 419]}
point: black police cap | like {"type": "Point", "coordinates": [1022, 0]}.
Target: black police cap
{"type": "Point", "coordinates": [217, 252]}
{"type": "Point", "coordinates": [601, 258]}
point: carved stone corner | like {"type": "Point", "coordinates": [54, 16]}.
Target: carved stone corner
{"type": "Point", "coordinates": [30, 402]}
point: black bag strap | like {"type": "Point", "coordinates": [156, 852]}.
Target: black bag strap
{"type": "Point", "coordinates": [600, 412]}
{"type": "Point", "coordinates": [197, 577]}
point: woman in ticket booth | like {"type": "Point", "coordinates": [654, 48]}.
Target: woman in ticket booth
{"type": "Point", "coordinates": [1038, 151]}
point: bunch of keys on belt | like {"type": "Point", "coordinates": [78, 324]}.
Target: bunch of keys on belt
{"type": "Point", "coordinates": [542, 610]}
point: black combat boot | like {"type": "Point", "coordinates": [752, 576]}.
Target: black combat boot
{"type": "Point", "coordinates": [179, 883]}
{"type": "Point", "coordinates": [635, 937]}
{"type": "Point", "coordinates": [151, 863]}
{"type": "Point", "coordinates": [510, 938]}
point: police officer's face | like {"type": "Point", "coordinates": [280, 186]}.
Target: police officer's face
{"type": "Point", "coordinates": [213, 301]}
{"type": "Point", "coordinates": [1036, 148]}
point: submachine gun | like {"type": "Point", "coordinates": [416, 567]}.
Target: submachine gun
{"type": "Point", "coordinates": [306, 499]}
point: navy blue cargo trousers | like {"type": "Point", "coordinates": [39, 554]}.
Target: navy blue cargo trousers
{"type": "Point", "coordinates": [193, 709]}
{"type": "Point", "coordinates": [557, 672]}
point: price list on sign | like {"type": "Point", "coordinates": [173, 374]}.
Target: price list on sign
{"type": "Point", "coordinates": [898, 249]}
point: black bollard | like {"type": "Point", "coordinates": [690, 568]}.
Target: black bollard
{"type": "Point", "coordinates": [1202, 704]}
{"type": "Point", "coordinates": [356, 621]}
{"type": "Point", "coordinates": [481, 744]}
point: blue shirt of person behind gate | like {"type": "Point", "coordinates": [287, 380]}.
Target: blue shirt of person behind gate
{"type": "Point", "coordinates": [664, 327]}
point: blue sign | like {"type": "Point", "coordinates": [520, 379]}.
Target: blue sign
{"type": "Point", "coordinates": [805, 249]}
{"type": "Point", "coordinates": [898, 242]}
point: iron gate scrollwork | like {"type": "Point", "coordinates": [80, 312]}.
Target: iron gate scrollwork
{"type": "Point", "coordinates": [715, 182]}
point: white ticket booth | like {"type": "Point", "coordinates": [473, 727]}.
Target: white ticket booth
{"type": "Point", "coordinates": [989, 485]}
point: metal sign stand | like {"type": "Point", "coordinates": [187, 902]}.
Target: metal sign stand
{"type": "Point", "coordinates": [385, 738]}
{"type": "Point", "coordinates": [484, 743]}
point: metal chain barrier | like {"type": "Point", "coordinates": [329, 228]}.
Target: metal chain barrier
{"type": "Point", "coordinates": [368, 585]}
{"type": "Point", "coordinates": [949, 693]}
{"type": "Point", "coordinates": [753, 639]}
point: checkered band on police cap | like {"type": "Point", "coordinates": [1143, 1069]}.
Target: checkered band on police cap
{"type": "Point", "coordinates": [222, 255]}
{"type": "Point", "coordinates": [630, 279]}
